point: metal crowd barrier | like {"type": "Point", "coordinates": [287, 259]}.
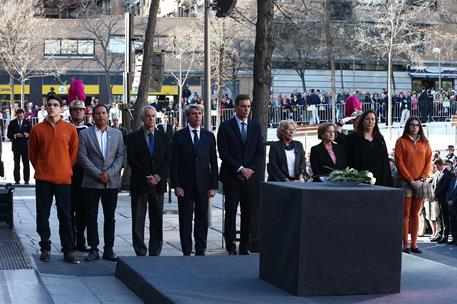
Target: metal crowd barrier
{"type": "Point", "coordinates": [301, 114]}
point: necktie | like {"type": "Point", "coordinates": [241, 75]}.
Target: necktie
{"type": "Point", "coordinates": [244, 133]}
{"type": "Point", "coordinates": [20, 124]}
{"type": "Point", "coordinates": [196, 139]}
{"type": "Point", "coordinates": [151, 144]}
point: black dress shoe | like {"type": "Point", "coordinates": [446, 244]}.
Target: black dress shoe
{"type": "Point", "coordinates": [453, 242]}
{"type": "Point", "coordinates": [110, 256]}
{"type": "Point", "coordinates": [92, 256]}
{"type": "Point", "coordinates": [82, 248]}
{"type": "Point", "coordinates": [443, 240]}
{"type": "Point", "coordinates": [231, 252]}
{"type": "Point", "coordinates": [436, 238]}
{"type": "Point", "coordinates": [45, 256]}
{"type": "Point", "coordinates": [416, 250]}
{"type": "Point", "coordinates": [69, 257]}
{"type": "Point", "coordinates": [199, 253]}
{"type": "Point", "coordinates": [244, 252]}
{"type": "Point", "coordinates": [406, 250]}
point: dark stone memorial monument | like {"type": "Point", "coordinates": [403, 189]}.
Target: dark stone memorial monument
{"type": "Point", "coordinates": [319, 240]}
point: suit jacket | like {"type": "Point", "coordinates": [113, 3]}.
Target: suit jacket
{"type": "Point", "coordinates": [313, 99]}
{"type": "Point", "coordinates": [442, 185]}
{"type": "Point", "coordinates": [194, 170]}
{"type": "Point", "coordinates": [277, 166]}
{"type": "Point", "coordinates": [91, 159]}
{"type": "Point", "coordinates": [320, 159]}
{"type": "Point", "coordinates": [143, 165]}
{"type": "Point", "coordinates": [13, 128]}
{"type": "Point", "coordinates": [234, 153]}
{"type": "Point", "coordinates": [168, 132]}
{"type": "Point", "coordinates": [452, 191]}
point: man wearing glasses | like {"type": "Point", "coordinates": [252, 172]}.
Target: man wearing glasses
{"type": "Point", "coordinates": [53, 149]}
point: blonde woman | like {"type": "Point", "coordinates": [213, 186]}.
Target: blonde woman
{"type": "Point", "coordinates": [287, 156]}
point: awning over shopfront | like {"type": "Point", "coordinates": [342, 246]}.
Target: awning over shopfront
{"type": "Point", "coordinates": [433, 72]}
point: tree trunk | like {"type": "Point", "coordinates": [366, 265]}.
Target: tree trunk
{"type": "Point", "coordinates": [11, 88]}
{"type": "Point", "coordinates": [341, 74]}
{"type": "Point", "coordinates": [220, 68]}
{"type": "Point", "coordinates": [333, 77]}
{"type": "Point", "coordinates": [142, 96]}
{"type": "Point", "coordinates": [264, 45]}
{"type": "Point", "coordinates": [393, 79]}
{"type": "Point", "coordinates": [301, 74]}
{"type": "Point", "coordinates": [389, 95]}
{"type": "Point", "coordinates": [22, 92]}
{"type": "Point", "coordinates": [109, 87]}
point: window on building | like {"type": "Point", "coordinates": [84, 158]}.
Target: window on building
{"type": "Point", "coordinates": [116, 45]}
{"type": "Point", "coordinates": [341, 9]}
{"type": "Point", "coordinates": [69, 47]}
{"type": "Point", "coordinates": [433, 4]}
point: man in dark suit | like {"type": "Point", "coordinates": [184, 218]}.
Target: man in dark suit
{"type": "Point", "coordinates": [166, 127]}
{"type": "Point", "coordinates": [441, 192]}
{"type": "Point", "coordinates": [241, 148]}
{"type": "Point", "coordinates": [423, 105]}
{"type": "Point", "coordinates": [194, 178]}
{"type": "Point", "coordinates": [313, 100]}
{"type": "Point", "coordinates": [148, 154]}
{"type": "Point", "coordinates": [452, 205]}
{"type": "Point", "coordinates": [18, 133]}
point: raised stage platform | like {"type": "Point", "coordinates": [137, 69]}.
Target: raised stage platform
{"type": "Point", "coordinates": [235, 279]}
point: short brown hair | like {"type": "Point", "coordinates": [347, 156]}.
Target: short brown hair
{"type": "Point", "coordinates": [323, 127]}
{"type": "Point", "coordinates": [53, 96]}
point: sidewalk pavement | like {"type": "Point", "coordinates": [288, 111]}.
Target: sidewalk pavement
{"type": "Point", "coordinates": [94, 282]}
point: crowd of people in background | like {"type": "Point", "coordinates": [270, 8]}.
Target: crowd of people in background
{"type": "Point", "coordinates": [428, 104]}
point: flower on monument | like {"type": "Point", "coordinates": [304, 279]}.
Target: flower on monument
{"type": "Point", "coordinates": [351, 174]}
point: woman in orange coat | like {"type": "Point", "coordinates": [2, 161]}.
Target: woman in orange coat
{"type": "Point", "coordinates": [413, 157]}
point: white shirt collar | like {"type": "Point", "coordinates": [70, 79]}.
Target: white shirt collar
{"type": "Point", "coordinates": [239, 121]}
{"type": "Point", "coordinates": [191, 129]}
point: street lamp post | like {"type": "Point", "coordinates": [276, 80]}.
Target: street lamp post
{"type": "Point", "coordinates": [438, 51]}
{"type": "Point", "coordinates": [180, 84]}
{"type": "Point", "coordinates": [207, 81]}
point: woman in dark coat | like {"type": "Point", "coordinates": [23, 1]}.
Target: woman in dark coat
{"type": "Point", "coordinates": [287, 156]}
{"type": "Point", "coordinates": [327, 154]}
{"type": "Point", "coordinates": [367, 150]}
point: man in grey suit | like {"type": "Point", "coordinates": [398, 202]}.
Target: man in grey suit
{"type": "Point", "coordinates": [101, 154]}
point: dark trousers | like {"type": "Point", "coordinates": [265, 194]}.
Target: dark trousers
{"type": "Point", "coordinates": [443, 219]}
{"type": "Point", "coordinates": [423, 113]}
{"type": "Point", "coordinates": [453, 220]}
{"type": "Point", "coordinates": [44, 192]}
{"type": "Point", "coordinates": [154, 198]}
{"type": "Point", "coordinates": [22, 152]}
{"type": "Point", "coordinates": [190, 203]}
{"type": "Point", "coordinates": [109, 203]}
{"type": "Point", "coordinates": [244, 194]}
{"type": "Point", "coordinates": [78, 207]}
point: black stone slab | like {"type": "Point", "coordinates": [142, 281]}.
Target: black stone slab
{"type": "Point", "coordinates": [235, 279]}
{"type": "Point", "coordinates": [324, 240]}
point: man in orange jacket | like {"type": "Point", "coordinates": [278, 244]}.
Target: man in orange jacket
{"type": "Point", "coordinates": [53, 149]}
